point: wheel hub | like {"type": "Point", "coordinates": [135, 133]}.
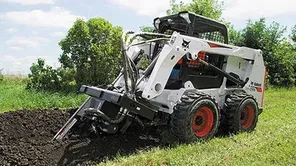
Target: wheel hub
{"type": "Point", "coordinates": [247, 117]}
{"type": "Point", "coordinates": [198, 120]}
{"type": "Point", "coordinates": [202, 122]}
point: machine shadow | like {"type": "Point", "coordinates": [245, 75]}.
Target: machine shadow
{"type": "Point", "coordinates": [96, 150]}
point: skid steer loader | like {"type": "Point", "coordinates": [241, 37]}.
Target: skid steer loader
{"type": "Point", "coordinates": [195, 83]}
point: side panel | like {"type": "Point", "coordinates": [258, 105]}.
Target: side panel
{"type": "Point", "coordinates": [256, 84]}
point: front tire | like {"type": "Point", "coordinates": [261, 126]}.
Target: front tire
{"type": "Point", "coordinates": [195, 118]}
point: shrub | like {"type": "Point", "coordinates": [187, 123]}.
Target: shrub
{"type": "Point", "coordinates": [277, 52]}
{"type": "Point", "coordinates": [1, 75]}
{"type": "Point", "coordinates": [91, 56]}
{"type": "Point", "coordinates": [282, 66]}
{"type": "Point", "coordinates": [44, 77]}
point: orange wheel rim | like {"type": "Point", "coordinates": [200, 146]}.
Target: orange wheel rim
{"type": "Point", "coordinates": [202, 121]}
{"type": "Point", "coordinates": [247, 117]}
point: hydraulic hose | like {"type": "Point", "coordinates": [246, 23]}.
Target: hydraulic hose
{"type": "Point", "coordinates": [120, 116]}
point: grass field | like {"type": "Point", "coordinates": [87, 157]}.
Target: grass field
{"type": "Point", "coordinates": [272, 143]}
{"type": "Point", "coordinates": [14, 96]}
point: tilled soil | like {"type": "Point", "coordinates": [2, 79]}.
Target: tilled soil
{"type": "Point", "coordinates": [25, 139]}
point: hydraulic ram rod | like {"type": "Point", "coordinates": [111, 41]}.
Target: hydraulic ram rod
{"type": "Point", "coordinates": [224, 73]}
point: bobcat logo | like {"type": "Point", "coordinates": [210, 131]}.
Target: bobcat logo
{"type": "Point", "coordinates": [185, 43]}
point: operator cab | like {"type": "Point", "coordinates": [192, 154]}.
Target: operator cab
{"type": "Point", "coordinates": [190, 24]}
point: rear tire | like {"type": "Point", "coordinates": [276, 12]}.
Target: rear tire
{"type": "Point", "coordinates": [240, 113]}
{"type": "Point", "coordinates": [195, 118]}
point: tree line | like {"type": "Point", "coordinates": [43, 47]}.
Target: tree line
{"type": "Point", "coordinates": [91, 50]}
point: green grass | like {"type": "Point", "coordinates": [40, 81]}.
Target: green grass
{"type": "Point", "coordinates": [272, 143]}
{"type": "Point", "coordinates": [14, 96]}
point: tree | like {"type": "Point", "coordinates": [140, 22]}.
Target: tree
{"type": "Point", "coordinates": [293, 34]}
{"type": "Point", "coordinates": [93, 49]}
{"type": "Point", "coordinates": [147, 29]}
{"type": "Point", "coordinates": [235, 36]}
{"type": "Point", "coordinates": [207, 8]}
{"type": "Point", "coordinates": [282, 72]}
{"type": "Point", "coordinates": [176, 8]}
{"type": "Point", "coordinates": [1, 75]}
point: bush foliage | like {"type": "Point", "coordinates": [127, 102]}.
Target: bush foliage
{"type": "Point", "coordinates": [93, 49]}
{"type": "Point", "coordinates": [91, 55]}
{"type": "Point", "coordinates": [1, 76]}
{"type": "Point", "coordinates": [278, 53]}
{"type": "Point", "coordinates": [44, 77]}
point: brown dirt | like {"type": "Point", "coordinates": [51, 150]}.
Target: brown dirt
{"type": "Point", "coordinates": [25, 139]}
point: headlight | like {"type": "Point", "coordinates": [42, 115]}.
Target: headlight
{"type": "Point", "coordinates": [156, 23]}
{"type": "Point", "coordinates": [185, 15]}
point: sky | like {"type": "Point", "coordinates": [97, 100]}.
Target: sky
{"type": "Point", "coordinates": [31, 29]}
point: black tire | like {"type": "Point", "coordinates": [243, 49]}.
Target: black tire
{"type": "Point", "coordinates": [196, 117]}
{"type": "Point", "coordinates": [240, 113]}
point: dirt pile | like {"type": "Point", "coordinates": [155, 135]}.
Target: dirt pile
{"type": "Point", "coordinates": [25, 139]}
